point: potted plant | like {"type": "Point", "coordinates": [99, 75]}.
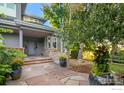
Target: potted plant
{"type": "Point", "coordinates": [101, 71]}
{"type": "Point", "coordinates": [63, 61]}
{"type": "Point", "coordinates": [17, 68]}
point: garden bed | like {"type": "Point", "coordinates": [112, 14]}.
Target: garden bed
{"type": "Point", "coordinates": [74, 65]}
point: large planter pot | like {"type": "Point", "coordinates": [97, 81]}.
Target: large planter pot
{"type": "Point", "coordinates": [63, 63]}
{"type": "Point", "coordinates": [93, 80]}
{"type": "Point", "coordinates": [16, 74]}
{"type": "Point", "coordinates": [2, 80]}
{"type": "Point", "coordinates": [97, 80]}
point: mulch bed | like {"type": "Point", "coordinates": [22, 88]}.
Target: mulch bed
{"type": "Point", "coordinates": [84, 67]}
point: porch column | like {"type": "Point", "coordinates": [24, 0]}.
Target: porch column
{"type": "Point", "coordinates": [51, 39]}
{"type": "Point", "coordinates": [20, 38]}
{"type": "Point", "coordinates": [45, 42]}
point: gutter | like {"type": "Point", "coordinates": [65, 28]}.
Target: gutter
{"type": "Point", "coordinates": [21, 24]}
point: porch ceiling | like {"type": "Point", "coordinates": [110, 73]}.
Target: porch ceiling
{"type": "Point", "coordinates": [38, 34]}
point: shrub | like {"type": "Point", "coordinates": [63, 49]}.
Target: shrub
{"type": "Point", "coordinates": [74, 53]}
{"type": "Point", "coordinates": [62, 58]}
{"type": "Point", "coordinates": [7, 55]}
{"type": "Point", "coordinates": [17, 53]}
{"type": "Point", "coordinates": [17, 63]}
{"type": "Point", "coordinates": [2, 80]}
{"type": "Point", "coordinates": [120, 54]}
{"type": "Point", "coordinates": [101, 65]}
{"type": "Point", "coordinates": [88, 55]}
{"type": "Point", "coordinates": [5, 70]}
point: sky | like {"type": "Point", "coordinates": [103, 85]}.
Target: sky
{"type": "Point", "coordinates": [36, 9]}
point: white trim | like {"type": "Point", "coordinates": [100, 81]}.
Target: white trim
{"type": "Point", "coordinates": [20, 38]}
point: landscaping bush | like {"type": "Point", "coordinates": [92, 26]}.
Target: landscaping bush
{"type": "Point", "coordinates": [120, 54]}
{"type": "Point", "coordinates": [101, 65]}
{"type": "Point", "coordinates": [88, 55]}
{"type": "Point", "coordinates": [62, 58]}
{"type": "Point", "coordinates": [17, 63]}
{"type": "Point", "coordinates": [74, 53]}
{"type": "Point", "coordinates": [11, 61]}
{"type": "Point", "coordinates": [5, 70]}
{"type": "Point", "coordinates": [2, 80]}
{"type": "Point", "coordinates": [17, 53]}
{"type": "Point", "coordinates": [7, 55]}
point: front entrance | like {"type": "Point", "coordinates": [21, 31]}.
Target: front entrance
{"type": "Point", "coordinates": [34, 46]}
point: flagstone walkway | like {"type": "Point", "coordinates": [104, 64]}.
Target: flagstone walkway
{"type": "Point", "coordinates": [49, 74]}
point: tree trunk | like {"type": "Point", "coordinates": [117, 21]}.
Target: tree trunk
{"type": "Point", "coordinates": [80, 57]}
{"type": "Point", "coordinates": [113, 51]}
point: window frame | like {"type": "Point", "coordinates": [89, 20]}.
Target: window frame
{"type": "Point", "coordinates": [9, 5]}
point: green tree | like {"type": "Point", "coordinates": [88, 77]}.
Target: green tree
{"type": "Point", "coordinates": [108, 23]}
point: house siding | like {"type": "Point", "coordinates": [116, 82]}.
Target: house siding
{"type": "Point", "coordinates": [11, 40]}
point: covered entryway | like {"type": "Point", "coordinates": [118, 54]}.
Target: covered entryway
{"type": "Point", "coordinates": [35, 41]}
{"type": "Point", "coordinates": [34, 46]}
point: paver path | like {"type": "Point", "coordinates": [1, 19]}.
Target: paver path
{"type": "Point", "coordinates": [49, 74]}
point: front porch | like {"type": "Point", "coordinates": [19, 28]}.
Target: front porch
{"type": "Point", "coordinates": [33, 39]}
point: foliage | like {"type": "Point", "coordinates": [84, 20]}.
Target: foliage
{"type": "Point", "coordinates": [2, 80]}
{"type": "Point", "coordinates": [3, 30]}
{"type": "Point", "coordinates": [7, 55]}
{"type": "Point", "coordinates": [17, 63]}
{"type": "Point", "coordinates": [90, 24]}
{"type": "Point", "coordinates": [120, 53]}
{"type": "Point", "coordinates": [119, 57]}
{"type": "Point", "coordinates": [74, 53]}
{"type": "Point", "coordinates": [88, 55]}
{"type": "Point", "coordinates": [17, 53]}
{"type": "Point", "coordinates": [5, 70]}
{"type": "Point", "coordinates": [54, 13]}
{"type": "Point", "coordinates": [2, 15]}
{"type": "Point", "coordinates": [101, 65]}
{"type": "Point", "coordinates": [62, 58]}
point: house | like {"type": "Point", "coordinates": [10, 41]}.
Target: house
{"type": "Point", "coordinates": [29, 33]}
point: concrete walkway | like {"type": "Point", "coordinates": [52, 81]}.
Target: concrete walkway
{"type": "Point", "coordinates": [49, 74]}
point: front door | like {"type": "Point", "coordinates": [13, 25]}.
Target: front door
{"type": "Point", "coordinates": [34, 47]}
{"type": "Point", "coordinates": [29, 48]}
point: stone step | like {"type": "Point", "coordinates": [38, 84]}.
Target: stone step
{"type": "Point", "coordinates": [36, 59]}
{"type": "Point", "coordinates": [38, 62]}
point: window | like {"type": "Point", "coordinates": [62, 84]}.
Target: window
{"type": "Point", "coordinates": [35, 45]}
{"type": "Point", "coordinates": [54, 42]}
{"type": "Point", "coordinates": [49, 43]}
{"type": "Point", "coordinates": [11, 6]}
{"type": "Point", "coordinates": [1, 4]}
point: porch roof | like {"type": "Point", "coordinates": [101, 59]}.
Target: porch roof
{"type": "Point", "coordinates": [16, 24]}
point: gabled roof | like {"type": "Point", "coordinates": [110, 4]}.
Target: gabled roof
{"type": "Point", "coordinates": [33, 16]}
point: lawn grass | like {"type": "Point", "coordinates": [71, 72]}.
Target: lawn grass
{"type": "Point", "coordinates": [117, 68]}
